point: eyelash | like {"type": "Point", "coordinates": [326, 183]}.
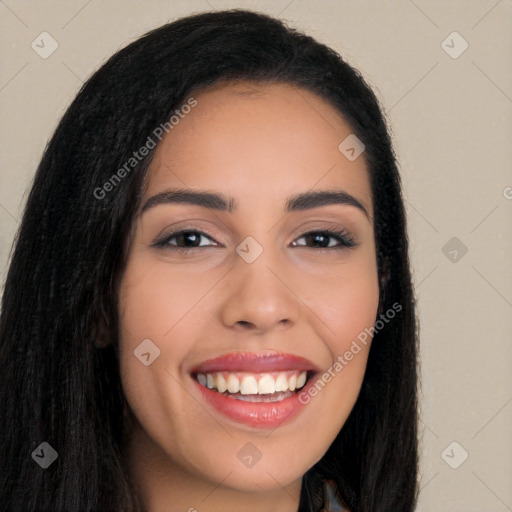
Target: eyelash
{"type": "Point", "coordinates": [344, 239]}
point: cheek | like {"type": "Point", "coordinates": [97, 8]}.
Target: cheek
{"type": "Point", "coordinates": [150, 307]}
{"type": "Point", "coordinates": [345, 301]}
{"type": "Point", "coordinates": [345, 304]}
{"type": "Point", "coordinates": [153, 300]}
{"type": "Point", "coordinates": [153, 306]}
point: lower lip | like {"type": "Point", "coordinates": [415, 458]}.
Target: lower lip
{"type": "Point", "coordinates": [255, 414]}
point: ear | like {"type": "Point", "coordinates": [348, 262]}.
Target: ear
{"type": "Point", "coordinates": [102, 342]}
{"type": "Point", "coordinates": [102, 338]}
{"type": "Point", "coordinates": [383, 283]}
{"type": "Point", "coordinates": [381, 306]}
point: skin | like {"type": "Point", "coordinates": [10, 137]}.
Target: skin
{"type": "Point", "coordinates": [259, 144]}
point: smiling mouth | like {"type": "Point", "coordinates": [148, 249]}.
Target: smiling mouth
{"type": "Point", "coordinates": [255, 387]}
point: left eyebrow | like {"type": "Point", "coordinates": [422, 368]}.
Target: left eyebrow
{"type": "Point", "coordinates": [318, 198]}
{"type": "Point", "coordinates": [215, 201]}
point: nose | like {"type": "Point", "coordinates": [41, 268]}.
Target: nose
{"type": "Point", "coordinates": [259, 297]}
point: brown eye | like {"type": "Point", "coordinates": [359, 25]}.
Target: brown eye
{"type": "Point", "coordinates": [183, 240]}
{"type": "Point", "coordinates": [326, 240]}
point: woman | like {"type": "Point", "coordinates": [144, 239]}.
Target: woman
{"type": "Point", "coordinates": [209, 303]}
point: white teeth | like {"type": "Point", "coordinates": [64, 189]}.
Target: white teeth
{"type": "Point", "coordinates": [249, 386]}
{"type": "Point", "coordinates": [253, 384]}
{"type": "Point", "coordinates": [282, 382]}
{"type": "Point", "coordinates": [233, 384]}
{"type": "Point", "coordinates": [266, 385]}
{"type": "Point", "coordinates": [221, 383]}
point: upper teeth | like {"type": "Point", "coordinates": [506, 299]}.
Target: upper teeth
{"type": "Point", "coordinates": [253, 383]}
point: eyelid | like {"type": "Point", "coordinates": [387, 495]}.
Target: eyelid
{"type": "Point", "coordinates": [163, 239]}
{"type": "Point", "coordinates": [345, 239]}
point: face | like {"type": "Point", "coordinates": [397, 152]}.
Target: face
{"type": "Point", "coordinates": [246, 279]}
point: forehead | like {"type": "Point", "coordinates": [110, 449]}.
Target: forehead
{"type": "Point", "coordinates": [258, 139]}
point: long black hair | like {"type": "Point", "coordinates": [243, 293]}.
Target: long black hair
{"type": "Point", "coordinates": [60, 292]}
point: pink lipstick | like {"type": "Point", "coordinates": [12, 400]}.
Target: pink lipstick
{"type": "Point", "coordinates": [257, 389]}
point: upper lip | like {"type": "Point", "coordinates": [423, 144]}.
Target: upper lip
{"type": "Point", "coordinates": [255, 362]}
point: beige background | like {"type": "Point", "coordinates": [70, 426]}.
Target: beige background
{"type": "Point", "coordinates": [452, 123]}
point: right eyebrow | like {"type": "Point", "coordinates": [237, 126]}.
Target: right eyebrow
{"type": "Point", "coordinates": [200, 198]}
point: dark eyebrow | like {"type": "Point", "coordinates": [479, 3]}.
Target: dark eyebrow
{"type": "Point", "coordinates": [318, 198]}
{"type": "Point", "coordinates": [215, 201]}
{"type": "Point", "coordinates": [206, 199]}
